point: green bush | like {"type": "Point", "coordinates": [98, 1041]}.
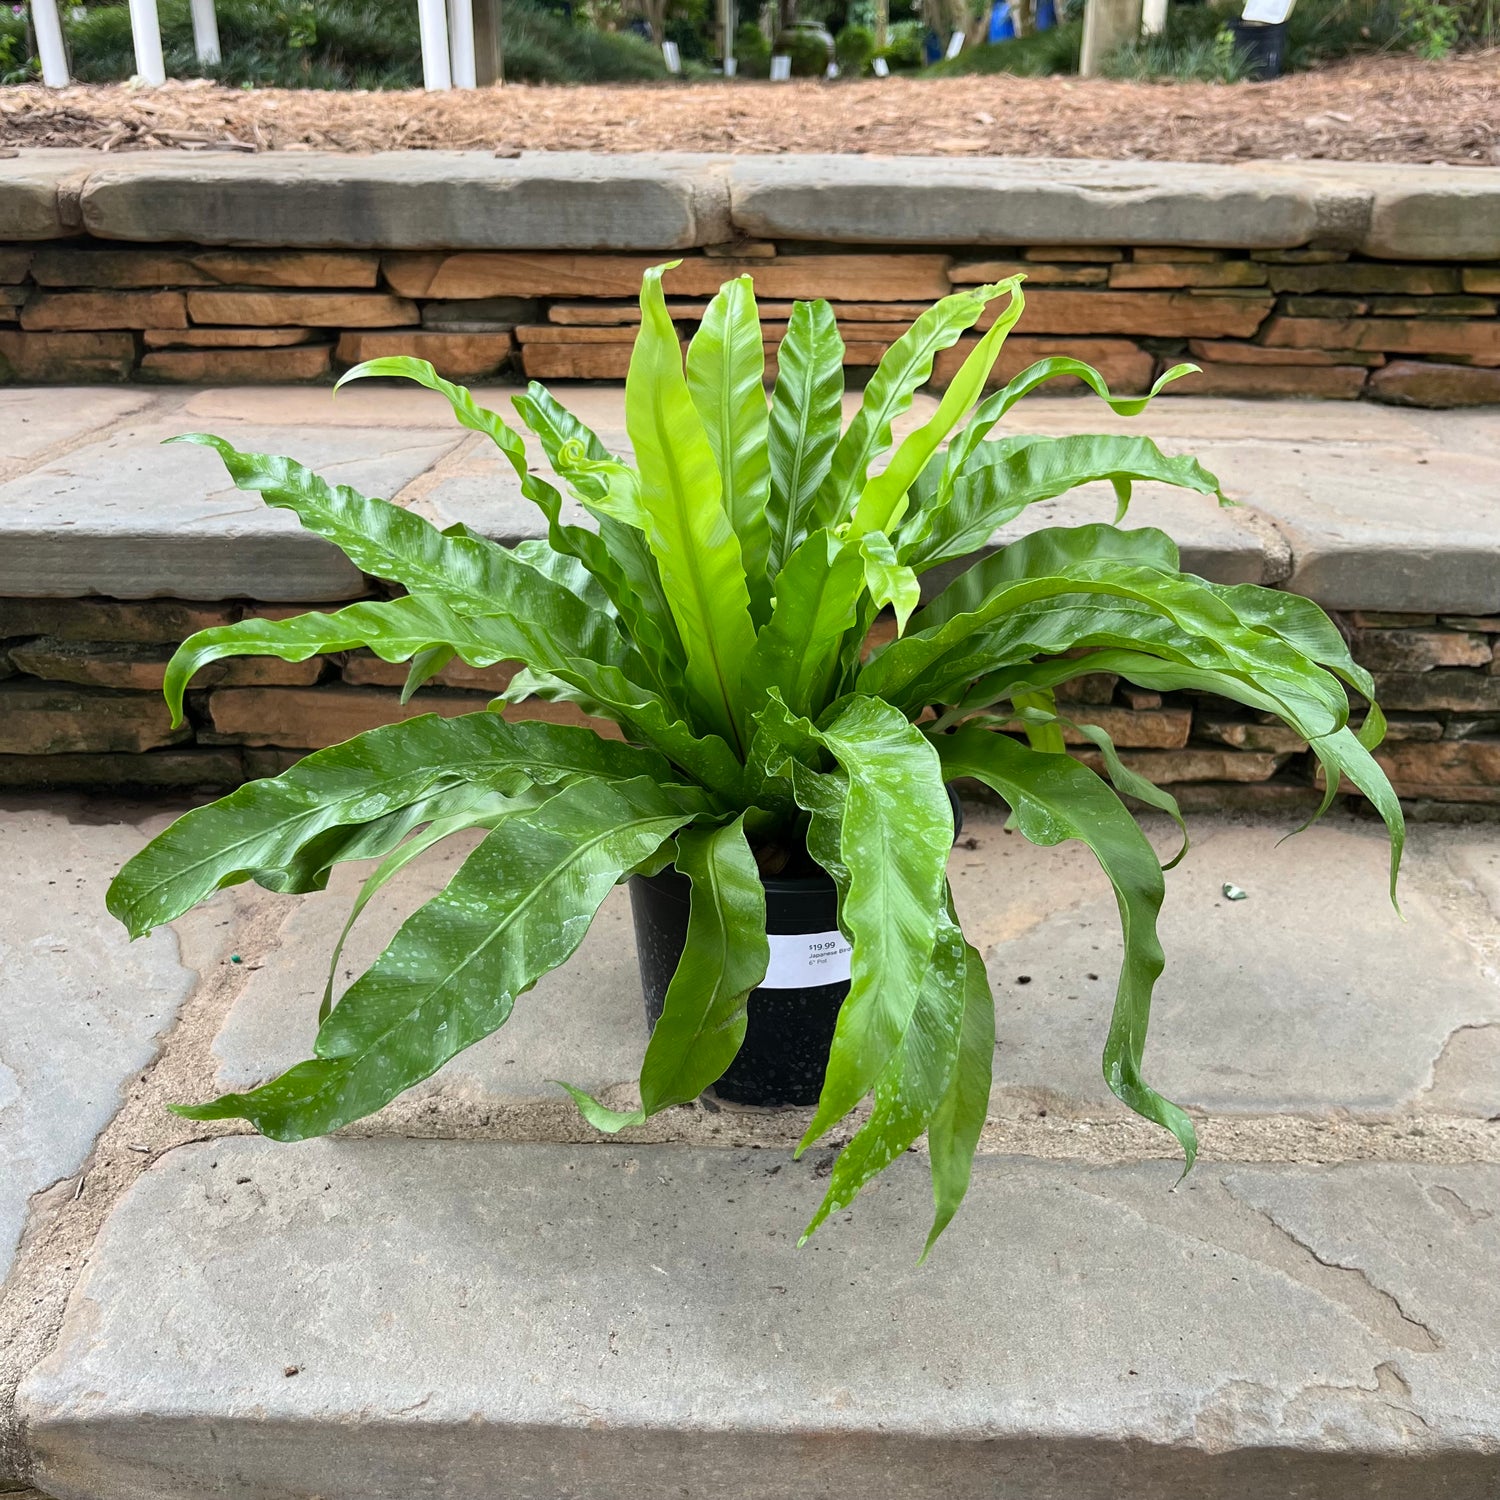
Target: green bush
{"type": "Point", "coordinates": [340, 44]}
{"type": "Point", "coordinates": [903, 47]}
{"type": "Point", "coordinates": [808, 48]}
{"type": "Point", "coordinates": [752, 50]}
{"type": "Point", "coordinates": [855, 46]}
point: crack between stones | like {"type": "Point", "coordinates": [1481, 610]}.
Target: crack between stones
{"type": "Point", "coordinates": [1267, 1242]}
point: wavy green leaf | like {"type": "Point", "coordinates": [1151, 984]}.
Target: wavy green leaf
{"type": "Point", "coordinates": [798, 651]}
{"type": "Point", "coordinates": [988, 494]}
{"type": "Point", "coordinates": [259, 831]}
{"type": "Point", "coordinates": [902, 371]}
{"type": "Point", "coordinates": [954, 1129]}
{"type": "Point", "coordinates": [994, 407]}
{"type": "Point", "coordinates": [517, 908]}
{"type": "Point", "coordinates": [883, 499]}
{"type": "Point", "coordinates": [617, 557]}
{"type": "Point", "coordinates": [726, 374]}
{"type": "Point", "coordinates": [476, 807]}
{"type": "Point", "coordinates": [1053, 798]}
{"type": "Point", "coordinates": [690, 533]}
{"type": "Point", "coordinates": [703, 1016]}
{"type": "Point", "coordinates": [895, 828]}
{"type": "Point", "coordinates": [805, 422]}
{"type": "Point", "coordinates": [890, 583]}
{"type": "Point", "coordinates": [916, 1080]}
{"type": "Point", "coordinates": [471, 575]}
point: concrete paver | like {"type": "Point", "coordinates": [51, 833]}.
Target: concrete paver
{"type": "Point", "coordinates": [361, 1320]}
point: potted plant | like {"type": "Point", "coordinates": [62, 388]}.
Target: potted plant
{"type": "Point", "coordinates": [778, 797]}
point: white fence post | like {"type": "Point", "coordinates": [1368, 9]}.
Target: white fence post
{"type": "Point", "coordinates": [145, 31]}
{"type": "Point", "coordinates": [49, 42]}
{"type": "Point", "coordinates": [432, 21]}
{"type": "Point", "coordinates": [461, 43]}
{"type": "Point", "coordinates": [205, 31]}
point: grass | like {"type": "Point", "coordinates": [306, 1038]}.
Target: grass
{"type": "Point", "coordinates": [339, 44]}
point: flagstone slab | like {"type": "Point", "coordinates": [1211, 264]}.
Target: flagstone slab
{"type": "Point", "coordinates": [402, 200]}
{"type": "Point", "coordinates": [130, 518]}
{"type": "Point", "coordinates": [1310, 995]}
{"type": "Point", "coordinates": [369, 1320]}
{"type": "Point", "coordinates": [83, 1008]}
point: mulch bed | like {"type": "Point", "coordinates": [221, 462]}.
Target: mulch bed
{"type": "Point", "coordinates": [1390, 109]}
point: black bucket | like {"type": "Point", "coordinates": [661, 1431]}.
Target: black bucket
{"type": "Point", "coordinates": [790, 1024]}
{"type": "Point", "coordinates": [1263, 44]}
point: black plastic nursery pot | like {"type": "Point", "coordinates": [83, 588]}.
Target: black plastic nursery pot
{"type": "Point", "coordinates": [1264, 46]}
{"type": "Point", "coordinates": [791, 1016]}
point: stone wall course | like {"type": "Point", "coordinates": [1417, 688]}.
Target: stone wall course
{"type": "Point", "coordinates": [53, 312]}
{"type": "Point", "coordinates": [221, 366]}
{"type": "Point", "coordinates": [88, 266]}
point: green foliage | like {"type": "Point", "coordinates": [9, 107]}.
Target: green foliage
{"type": "Point", "coordinates": [339, 44]}
{"type": "Point", "coordinates": [855, 48]}
{"type": "Point", "coordinates": [752, 51]}
{"type": "Point", "coordinates": [1434, 25]}
{"type": "Point", "coordinates": [903, 46]}
{"type": "Point", "coordinates": [716, 610]}
{"type": "Point", "coordinates": [810, 49]}
{"type": "Point", "coordinates": [1037, 56]}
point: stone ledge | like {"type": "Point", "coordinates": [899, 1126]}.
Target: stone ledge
{"type": "Point", "coordinates": [581, 200]}
{"type": "Point", "coordinates": [609, 1322]}
{"type": "Point", "coordinates": [412, 200]}
{"type": "Point", "coordinates": [1018, 201]}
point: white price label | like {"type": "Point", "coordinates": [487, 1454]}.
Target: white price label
{"type": "Point", "coordinates": [801, 960]}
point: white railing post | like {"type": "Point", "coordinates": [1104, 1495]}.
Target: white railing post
{"type": "Point", "coordinates": [205, 32]}
{"type": "Point", "coordinates": [145, 31]}
{"type": "Point", "coordinates": [49, 42]}
{"type": "Point", "coordinates": [461, 43]}
{"type": "Point", "coordinates": [432, 21]}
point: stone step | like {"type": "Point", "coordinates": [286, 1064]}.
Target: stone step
{"type": "Point", "coordinates": [471, 1294]}
{"type": "Point", "coordinates": [1324, 492]}
{"type": "Point", "coordinates": [369, 1320]}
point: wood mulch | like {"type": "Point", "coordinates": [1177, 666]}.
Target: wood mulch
{"type": "Point", "coordinates": [1390, 109]}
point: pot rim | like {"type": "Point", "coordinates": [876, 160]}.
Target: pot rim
{"type": "Point", "coordinates": [672, 882]}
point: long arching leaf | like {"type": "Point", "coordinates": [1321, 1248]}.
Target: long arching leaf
{"type": "Point", "coordinates": [726, 374]}
{"type": "Point", "coordinates": [902, 371]}
{"type": "Point", "coordinates": [262, 831]}
{"type": "Point", "coordinates": [518, 907]}
{"type": "Point", "coordinates": [1018, 474]}
{"type": "Point", "coordinates": [883, 499]}
{"type": "Point", "coordinates": [1054, 798]}
{"type": "Point", "coordinates": [689, 531]}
